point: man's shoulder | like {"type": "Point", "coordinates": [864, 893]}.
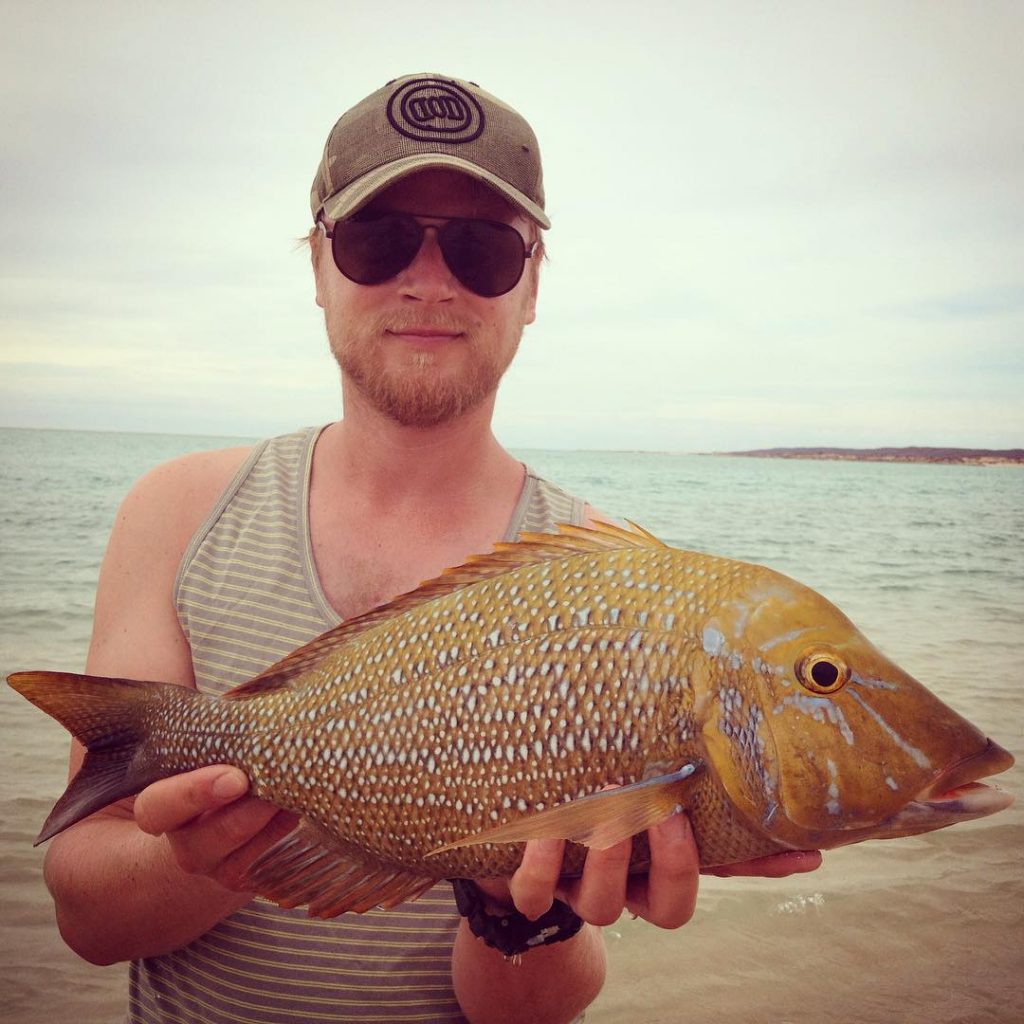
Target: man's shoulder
{"type": "Point", "coordinates": [175, 497]}
{"type": "Point", "coordinates": [195, 473]}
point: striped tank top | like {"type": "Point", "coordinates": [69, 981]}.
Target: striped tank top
{"type": "Point", "coordinates": [247, 593]}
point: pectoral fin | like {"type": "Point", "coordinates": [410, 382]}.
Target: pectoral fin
{"type": "Point", "coordinates": [599, 820]}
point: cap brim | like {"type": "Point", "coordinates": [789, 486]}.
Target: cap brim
{"type": "Point", "coordinates": [352, 198]}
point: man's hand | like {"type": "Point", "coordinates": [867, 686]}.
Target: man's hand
{"type": "Point", "coordinates": [665, 896]}
{"type": "Point", "coordinates": [213, 829]}
{"type": "Point", "coordinates": [778, 865]}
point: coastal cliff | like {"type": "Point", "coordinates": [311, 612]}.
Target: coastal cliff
{"type": "Point", "coordinates": [952, 456]}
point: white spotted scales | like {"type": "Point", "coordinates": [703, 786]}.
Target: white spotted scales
{"type": "Point", "coordinates": [431, 737]}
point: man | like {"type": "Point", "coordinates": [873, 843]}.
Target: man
{"type": "Point", "coordinates": [428, 206]}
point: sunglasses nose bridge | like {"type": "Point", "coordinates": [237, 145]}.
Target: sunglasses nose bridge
{"type": "Point", "coordinates": [428, 265]}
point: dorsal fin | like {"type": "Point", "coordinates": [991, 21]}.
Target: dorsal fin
{"type": "Point", "coordinates": [506, 557]}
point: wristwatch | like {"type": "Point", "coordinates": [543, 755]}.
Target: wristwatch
{"type": "Point", "coordinates": [510, 932]}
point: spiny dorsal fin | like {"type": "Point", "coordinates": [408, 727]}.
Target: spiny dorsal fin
{"type": "Point", "coordinates": [506, 557]}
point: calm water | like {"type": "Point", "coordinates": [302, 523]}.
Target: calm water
{"type": "Point", "coordinates": [927, 560]}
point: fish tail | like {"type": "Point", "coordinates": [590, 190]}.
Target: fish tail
{"type": "Point", "coordinates": [112, 718]}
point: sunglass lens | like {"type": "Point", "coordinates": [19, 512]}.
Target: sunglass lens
{"type": "Point", "coordinates": [374, 250]}
{"type": "Point", "coordinates": [486, 256]}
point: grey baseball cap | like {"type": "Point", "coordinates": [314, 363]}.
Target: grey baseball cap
{"type": "Point", "coordinates": [423, 121]}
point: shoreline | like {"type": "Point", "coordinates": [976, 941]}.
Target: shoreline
{"type": "Point", "coordinates": [936, 456]}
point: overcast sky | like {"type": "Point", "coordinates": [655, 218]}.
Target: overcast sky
{"type": "Point", "coordinates": [773, 224]}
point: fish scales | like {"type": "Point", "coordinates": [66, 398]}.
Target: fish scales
{"type": "Point", "coordinates": [509, 696]}
{"type": "Point", "coordinates": [506, 689]}
{"type": "Point", "coordinates": [434, 736]}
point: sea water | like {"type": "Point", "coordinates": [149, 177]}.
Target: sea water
{"type": "Point", "coordinates": [927, 559]}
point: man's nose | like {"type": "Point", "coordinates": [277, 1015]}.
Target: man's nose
{"type": "Point", "coordinates": [428, 278]}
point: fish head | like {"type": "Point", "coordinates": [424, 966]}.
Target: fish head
{"type": "Point", "coordinates": [819, 739]}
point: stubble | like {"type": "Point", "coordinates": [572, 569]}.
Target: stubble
{"type": "Point", "coordinates": [418, 391]}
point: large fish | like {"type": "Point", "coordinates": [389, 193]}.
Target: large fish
{"type": "Point", "coordinates": [431, 737]}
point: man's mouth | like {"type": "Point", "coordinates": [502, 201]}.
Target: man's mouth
{"type": "Point", "coordinates": [426, 334]}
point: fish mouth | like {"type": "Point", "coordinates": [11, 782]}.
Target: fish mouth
{"type": "Point", "coordinates": [990, 760]}
{"type": "Point", "coordinates": [955, 795]}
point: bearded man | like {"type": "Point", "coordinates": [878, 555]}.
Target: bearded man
{"type": "Point", "coordinates": [428, 208]}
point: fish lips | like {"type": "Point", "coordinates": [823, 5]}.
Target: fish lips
{"type": "Point", "coordinates": [990, 760]}
{"type": "Point", "coordinates": [953, 796]}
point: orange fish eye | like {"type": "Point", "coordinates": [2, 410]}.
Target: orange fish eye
{"type": "Point", "coordinates": [821, 670]}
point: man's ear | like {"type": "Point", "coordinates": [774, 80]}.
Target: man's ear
{"type": "Point", "coordinates": [530, 299]}
{"type": "Point", "coordinates": [316, 240]}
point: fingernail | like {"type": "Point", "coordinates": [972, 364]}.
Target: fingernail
{"type": "Point", "coordinates": [230, 785]}
{"type": "Point", "coordinates": [677, 824]}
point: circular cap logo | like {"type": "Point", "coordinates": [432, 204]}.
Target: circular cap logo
{"type": "Point", "coordinates": [432, 110]}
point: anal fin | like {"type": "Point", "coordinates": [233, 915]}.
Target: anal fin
{"type": "Point", "coordinates": [599, 820]}
{"type": "Point", "coordinates": [309, 867]}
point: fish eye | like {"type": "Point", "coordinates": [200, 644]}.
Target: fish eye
{"type": "Point", "coordinates": [821, 670]}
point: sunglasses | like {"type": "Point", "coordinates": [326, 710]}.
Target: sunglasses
{"type": "Point", "coordinates": [485, 256]}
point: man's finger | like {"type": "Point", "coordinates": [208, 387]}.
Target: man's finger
{"type": "Point", "coordinates": [776, 865]}
{"type": "Point", "coordinates": [667, 895]}
{"type": "Point", "coordinates": [533, 885]}
{"type": "Point", "coordinates": [231, 872]}
{"type": "Point", "coordinates": [173, 802]}
{"type": "Point", "coordinates": [203, 845]}
{"type": "Point", "coordinates": [600, 893]}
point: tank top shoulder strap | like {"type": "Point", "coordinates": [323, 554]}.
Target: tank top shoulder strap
{"type": "Point", "coordinates": [246, 591]}
{"type": "Point", "coordinates": [542, 506]}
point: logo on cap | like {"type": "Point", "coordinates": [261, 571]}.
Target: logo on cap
{"type": "Point", "coordinates": [432, 110]}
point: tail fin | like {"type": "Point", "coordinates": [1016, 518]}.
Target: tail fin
{"type": "Point", "coordinates": [112, 718]}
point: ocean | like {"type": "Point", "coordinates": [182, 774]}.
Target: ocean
{"type": "Point", "coordinates": [927, 559]}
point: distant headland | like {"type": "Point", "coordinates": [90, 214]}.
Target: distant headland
{"type": "Point", "coordinates": [950, 456]}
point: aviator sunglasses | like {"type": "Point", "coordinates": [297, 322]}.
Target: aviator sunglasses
{"type": "Point", "coordinates": [485, 256]}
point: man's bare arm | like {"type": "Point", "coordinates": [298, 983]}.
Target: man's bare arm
{"type": "Point", "coordinates": [119, 891]}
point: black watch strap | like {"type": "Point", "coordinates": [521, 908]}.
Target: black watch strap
{"type": "Point", "coordinates": [510, 932]}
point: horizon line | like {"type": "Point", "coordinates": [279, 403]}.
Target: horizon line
{"type": "Point", "coordinates": [747, 452]}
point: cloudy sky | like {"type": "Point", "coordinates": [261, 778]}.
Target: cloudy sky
{"type": "Point", "coordinates": [791, 223]}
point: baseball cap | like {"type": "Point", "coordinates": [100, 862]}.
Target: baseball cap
{"type": "Point", "coordinates": [428, 121]}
